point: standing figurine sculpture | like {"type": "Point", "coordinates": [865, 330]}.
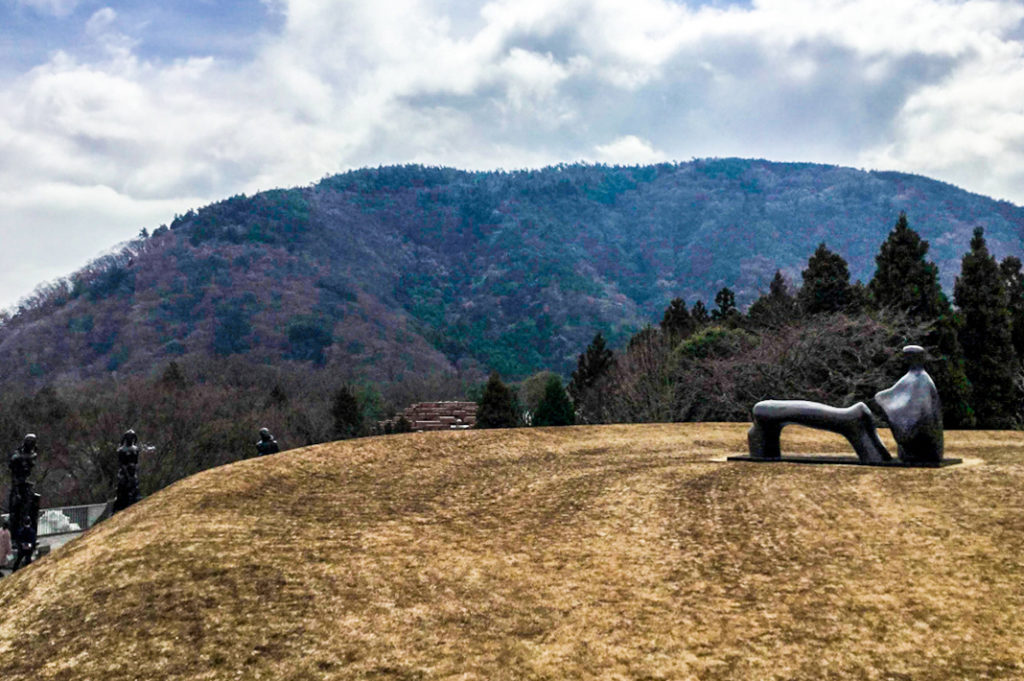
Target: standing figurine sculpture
{"type": "Point", "coordinates": [266, 444]}
{"type": "Point", "coordinates": [23, 502]}
{"type": "Point", "coordinates": [911, 406]}
{"type": "Point", "coordinates": [127, 471]}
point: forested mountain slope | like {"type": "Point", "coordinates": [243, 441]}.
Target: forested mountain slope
{"type": "Point", "coordinates": [396, 272]}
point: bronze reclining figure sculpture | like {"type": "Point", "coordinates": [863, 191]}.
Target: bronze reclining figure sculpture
{"type": "Point", "coordinates": [911, 405]}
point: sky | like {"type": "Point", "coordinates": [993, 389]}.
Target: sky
{"type": "Point", "coordinates": [116, 116]}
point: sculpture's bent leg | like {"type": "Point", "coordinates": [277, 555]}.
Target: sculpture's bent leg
{"type": "Point", "coordinates": [763, 439]}
{"type": "Point", "coordinates": [854, 423]}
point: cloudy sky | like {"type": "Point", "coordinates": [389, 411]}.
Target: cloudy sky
{"type": "Point", "coordinates": [115, 116]}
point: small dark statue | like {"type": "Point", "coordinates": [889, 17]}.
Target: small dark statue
{"type": "Point", "coordinates": [911, 406]}
{"type": "Point", "coordinates": [23, 502]}
{"type": "Point", "coordinates": [267, 444]}
{"type": "Point", "coordinates": [127, 471]}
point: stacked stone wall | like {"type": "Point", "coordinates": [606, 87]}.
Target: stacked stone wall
{"type": "Point", "coordinates": [441, 415]}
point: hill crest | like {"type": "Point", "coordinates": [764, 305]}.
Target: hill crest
{"type": "Point", "coordinates": [561, 553]}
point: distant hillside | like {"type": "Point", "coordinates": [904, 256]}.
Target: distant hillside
{"type": "Point", "coordinates": [397, 272]}
{"type": "Point", "coordinates": [628, 552]}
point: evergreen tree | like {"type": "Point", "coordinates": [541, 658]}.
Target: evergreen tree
{"type": "Point", "coordinates": [347, 414]}
{"type": "Point", "coordinates": [677, 322]}
{"type": "Point", "coordinates": [497, 407]}
{"type": "Point", "coordinates": [589, 382]}
{"type": "Point", "coordinates": [826, 283]}
{"type": "Point", "coordinates": [776, 308]}
{"type": "Point", "coordinates": [948, 370]}
{"type": "Point", "coordinates": [725, 311]}
{"type": "Point", "coordinates": [554, 409]}
{"type": "Point", "coordinates": [858, 298]}
{"type": "Point", "coordinates": [277, 397]}
{"type": "Point", "coordinates": [905, 281]}
{"type": "Point", "coordinates": [173, 378]}
{"type": "Point", "coordinates": [700, 314]}
{"type": "Point", "coordinates": [986, 336]}
{"type": "Point", "coordinates": [232, 331]}
{"type": "Point", "coordinates": [1013, 282]}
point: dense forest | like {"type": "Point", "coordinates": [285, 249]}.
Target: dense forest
{"type": "Point", "coordinates": [391, 273]}
{"type": "Point", "coordinates": [590, 294]}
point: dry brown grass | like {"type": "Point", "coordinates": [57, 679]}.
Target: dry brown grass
{"type": "Point", "coordinates": [616, 552]}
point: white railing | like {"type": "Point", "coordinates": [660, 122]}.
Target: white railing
{"type": "Point", "coordinates": [68, 519]}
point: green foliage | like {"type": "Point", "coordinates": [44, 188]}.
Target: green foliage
{"type": "Point", "coordinates": [987, 336]}
{"type": "Point", "coordinates": [275, 216]}
{"type": "Point", "coordinates": [531, 391]}
{"type": "Point", "coordinates": [232, 331]}
{"type": "Point", "coordinates": [947, 370]}
{"type": "Point", "coordinates": [826, 283]}
{"type": "Point", "coordinates": [371, 404]}
{"type": "Point", "coordinates": [590, 379]}
{"type": "Point", "coordinates": [200, 268]}
{"type": "Point", "coordinates": [699, 313]}
{"type": "Point", "coordinates": [903, 279]}
{"type": "Point", "coordinates": [347, 414]}
{"type": "Point", "coordinates": [554, 409]}
{"type": "Point", "coordinates": [677, 322]}
{"type": "Point", "coordinates": [114, 279]}
{"type": "Point", "coordinates": [613, 183]}
{"type": "Point", "coordinates": [118, 357]}
{"type": "Point", "coordinates": [335, 292]}
{"type": "Point", "coordinates": [82, 324]}
{"type": "Point", "coordinates": [776, 308]}
{"type": "Point", "coordinates": [512, 271]}
{"type": "Point", "coordinates": [102, 341]}
{"type": "Point", "coordinates": [308, 337]}
{"type": "Point", "coordinates": [173, 378]}
{"type": "Point", "coordinates": [497, 407]}
{"type": "Point", "coordinates": [402, 425]}
{"type": "Point", "coordinates": [1013, 282]}
{"type": "Point", "coordinates": [725, 311]}
{"type": "Point", "coordinates": [716, 342]}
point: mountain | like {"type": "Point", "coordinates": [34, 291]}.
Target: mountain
{"type": "Point", "coordinates": [627, 551]}
{"type": "Point", "coordinates": [398, 272]}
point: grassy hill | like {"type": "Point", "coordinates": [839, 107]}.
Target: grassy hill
{"type": "Point", "coordinates": [601, 552]}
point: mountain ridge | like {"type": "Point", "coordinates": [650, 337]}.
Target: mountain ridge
{"type": "Point", "coordinates": [400, 271]}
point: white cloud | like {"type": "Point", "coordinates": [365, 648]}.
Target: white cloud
{"type": "Point", "coordinates": [927, 86]}
{"type": "Point", "coordinates": [629, 150]}
{"type": "Point", "coordinates": [101, 21]}
{"type": "Point", "coordinates": [54, 228]}
{"type": "Point", "coordinates": [57, 8]}
{"type": "Point", "coordinates": [968, 129]}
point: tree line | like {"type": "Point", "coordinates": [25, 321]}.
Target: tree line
{"type": "Point", "coordinates": [829, 340]}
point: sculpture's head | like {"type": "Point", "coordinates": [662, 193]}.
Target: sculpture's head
{"type": "Point", "coordinates": [29, 445]}
{"type": "Point", "coordinates": [915, 356]}
{"type": "Point", "coordinates": [265, 434]}
{"type": "Point", "coordinates": [129, 438]}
